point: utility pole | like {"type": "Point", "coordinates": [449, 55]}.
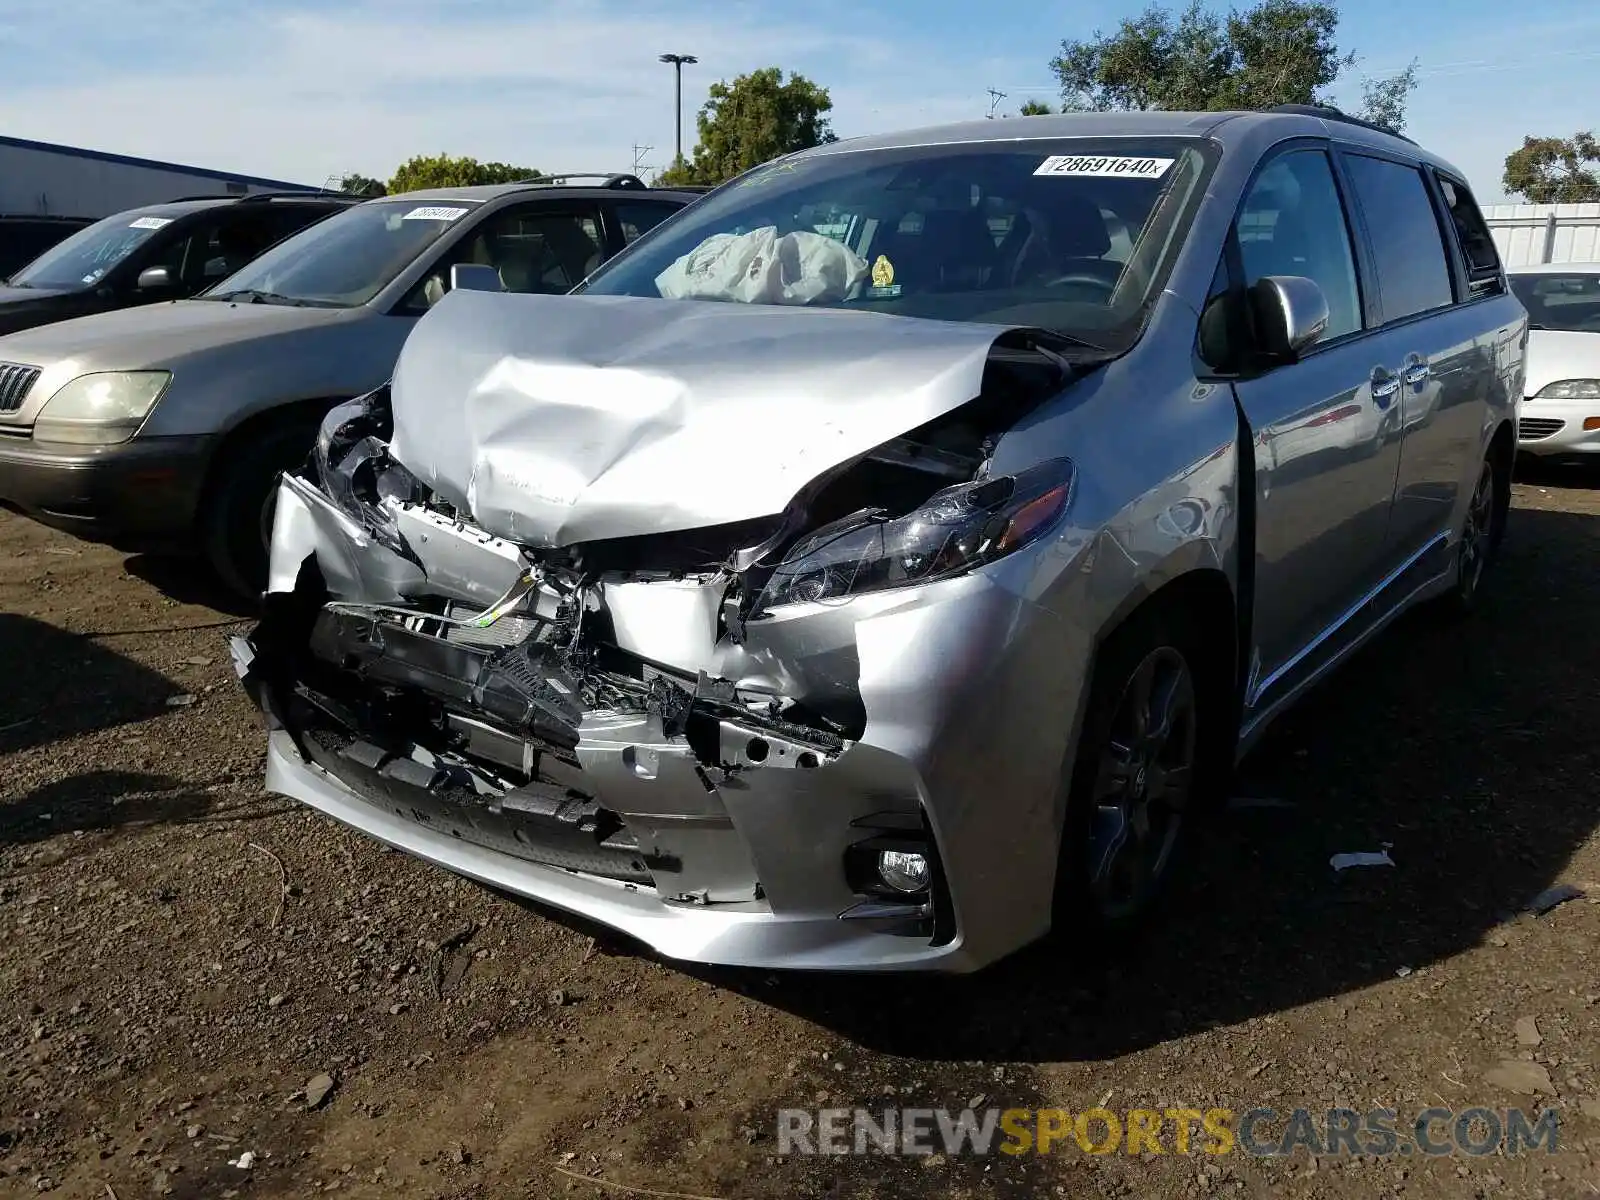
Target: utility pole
{"type": "Point", "coordinates": [638, 158]}
{"type": "Point", "coordinates": [677, 61]}
{"type": "Point", "coordinates": [994, 101]}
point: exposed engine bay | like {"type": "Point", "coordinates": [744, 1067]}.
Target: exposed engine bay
{"type": "Point", "coordinates": [599, 705]}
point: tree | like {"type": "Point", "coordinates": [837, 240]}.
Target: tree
{"type": "Point", "coordinates": [440, 170]}
{"type": "Point", "coordinates": [1550, 170]}
{"type": "Point", "coordinates": [752, 120]}
{"type": "Point", "coordinates": [1034, 108]}
{"type": "Point", "coordinates": [357, 184]}
{"type": "Point", "coordinates": [1383, 101]}
{"type": "Point", "coordinates": [1277, 52]}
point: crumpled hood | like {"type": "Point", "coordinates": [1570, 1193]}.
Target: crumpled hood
{"type": "Point", "coordinates": [1556, 354]}
{"type": "Point", "coordinates": [156, 335]}
{"type": "Point", "coordinates": [563, 419]}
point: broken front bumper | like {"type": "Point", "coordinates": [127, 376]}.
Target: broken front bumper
{"type": "Point", "coordinates": [757, 865]}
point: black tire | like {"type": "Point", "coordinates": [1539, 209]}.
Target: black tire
{"type": "Point", "coordinates": [1096, 903]}
{"type": "Point", "coordinates": [237, 512]}
{"type": "Point", "coordinates": [1482, 532]}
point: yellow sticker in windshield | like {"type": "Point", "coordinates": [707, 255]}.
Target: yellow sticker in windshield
{"type": "Point", "coordinates": [882, 272]}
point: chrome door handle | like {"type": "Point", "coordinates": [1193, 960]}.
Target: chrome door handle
{"type": "Point", "coordinates": [1384, 387]}
{"type": "Point", "coordinates": [1416, 375]}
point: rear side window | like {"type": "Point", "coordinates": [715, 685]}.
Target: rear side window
{"type": "Point", "coordinates": [1477, 243]}
{"type": "Point", "coordinates": [1413, 273]}
{"type": "Point", "coordinates": [639, 218]}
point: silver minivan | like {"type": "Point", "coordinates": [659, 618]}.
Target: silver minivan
{"type": "Point", "coordinates": [164, 427]}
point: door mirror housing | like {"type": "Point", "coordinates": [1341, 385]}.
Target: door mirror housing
{"type": "Point", "coordinates": [1290, 313]}
{"type": "Point", "coordinates": [155, 279]}
{"type": "Point", "coordinates": [475, 277]}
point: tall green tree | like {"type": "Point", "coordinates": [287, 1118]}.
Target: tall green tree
{"type": "Point", "coordinates": [1275, 52]}
{"type": "Point", "coordinates": [441, 170]}
{"type": "Point", "coordinates": [1550, 170]}
{"type": "Point", "coordinates": [754, 119]}
{"type": "Point", "coordinates": [357, 184]}
{"type": "Point", "coordinates": [1383, 100]}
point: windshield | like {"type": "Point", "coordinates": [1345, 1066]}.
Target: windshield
{"type": "Point", "coordinates": [349, 258]}
{"type": "Point", "coordinates": [1073, 235]}
{"type": "Point", "coordinates": [1568, 302]}
{"type": "Point", "coordinates": [85, 258]}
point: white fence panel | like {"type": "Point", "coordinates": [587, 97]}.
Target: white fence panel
{"type": "Point", "coordinates": [1526, 234]}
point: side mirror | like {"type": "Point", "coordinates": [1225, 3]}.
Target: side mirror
{"type": "Point", "coordinates": [155, 279]}
{"type": "Point", "coordinates": [475, 277]}
{"type": "Point", "coordinates": [1290, 312]}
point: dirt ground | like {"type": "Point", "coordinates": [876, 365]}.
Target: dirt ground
{"type": "Point", "coordinates": [182, 955]}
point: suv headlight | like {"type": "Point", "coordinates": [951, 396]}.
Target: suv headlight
{"type": "Point", "coordinates": [959, 528]}
{"type": "Point", "coordinates": [1570, 389]}
{"type": "Point", "coordinates": [101, 409]}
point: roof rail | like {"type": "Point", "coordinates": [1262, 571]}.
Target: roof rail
{"type": "Point", "coordinates": [261, 196]}
{"type": "Point", "coordinates": [610, 179]}
{"type": "Point", "coordinates": [1328, 112]}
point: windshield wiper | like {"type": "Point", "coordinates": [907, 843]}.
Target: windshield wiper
{"type": "Point", "coordinates": [253, 296]}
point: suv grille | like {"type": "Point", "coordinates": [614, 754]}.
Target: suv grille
{"type": "Point", "coordinates": [1529, 429]}
{"type": "Point", "coordinates": [15, 381]}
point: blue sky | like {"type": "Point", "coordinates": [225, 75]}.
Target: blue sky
{"type": "Point", "coordinates": [301, 89]}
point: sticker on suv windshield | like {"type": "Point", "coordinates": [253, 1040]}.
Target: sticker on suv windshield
{"type": "Point", "coordinates": [435, 214]}
{"type": "Point", "coordinates": [149, 222]}
{"type": "Point", "coordinates": [1083, 166]}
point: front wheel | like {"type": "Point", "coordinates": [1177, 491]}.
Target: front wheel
{"type": "Point", "coordinates": [1135, 782]}
{"type": "Point", "coordinates": [238, 514]}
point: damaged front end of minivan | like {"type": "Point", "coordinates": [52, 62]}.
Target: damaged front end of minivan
{"type": "Point", "coordinates": [611, 615]}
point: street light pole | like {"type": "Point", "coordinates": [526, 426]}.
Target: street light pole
{"type": "Point", "coordinates": [677, 61]}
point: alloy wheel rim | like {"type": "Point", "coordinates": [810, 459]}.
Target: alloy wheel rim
{"type": "Point", "coordinates": [1142, 784]}
{"type": "Point", "coordinates": [1475, 533]}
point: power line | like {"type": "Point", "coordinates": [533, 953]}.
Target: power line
{"type": "Point", "coordinates": [994, 101]}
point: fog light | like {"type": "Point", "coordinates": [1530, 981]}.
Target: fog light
{"type": "Point", "coordinates": [903, 870]}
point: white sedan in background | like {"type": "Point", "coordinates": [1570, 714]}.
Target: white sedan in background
{"type": "Point", "coordinates": [1560, 414]}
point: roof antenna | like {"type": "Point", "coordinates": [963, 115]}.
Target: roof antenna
{"type": "Point", "coordinates": [994, 101]}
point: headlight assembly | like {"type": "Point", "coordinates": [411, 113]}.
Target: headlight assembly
{"type": "Point", "coordinates": [1570, 389]}
{"type": "Point", "coordinates": [101, 409]}
{"type": "Point", "coordinates": [958, 529]}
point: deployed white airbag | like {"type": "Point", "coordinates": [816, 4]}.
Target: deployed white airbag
{"type": "Point", "coordinates": [759, 267]}
{"type": "Point", "coordinates": [562, 419]}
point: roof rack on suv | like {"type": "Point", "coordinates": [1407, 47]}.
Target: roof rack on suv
{"type": "Point", "coordinates": [611, 179]}
{"type": "Point", "coordinates": [260, 196]}
{"type": "Point", "coordinates": [1328, 112]}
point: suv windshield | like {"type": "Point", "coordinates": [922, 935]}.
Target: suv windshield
{"type": "Point", "coordinates": [1569, 302]}
{"type": "Point", "coordinates": [85, 258]}
{"type": "Point", "coordinates": [1073, 235]}
{"type": "Point", "coordinates": [349, 258]}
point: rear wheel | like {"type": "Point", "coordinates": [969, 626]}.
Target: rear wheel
{"type": "Point", "coordinates": [1481, 532]}
{"type": "Point", "coordinates": [239, 509]}
{"type": "Point", "coordinates": [1140, 774]}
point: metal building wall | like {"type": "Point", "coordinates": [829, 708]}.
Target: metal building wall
{"type": "Point", "coordinates": [1526, 234]}
{"type": "Point", "coordinates": [62, 182]}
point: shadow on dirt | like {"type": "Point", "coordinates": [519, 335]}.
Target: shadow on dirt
{"type": "Point", "coordinates": [1468, 747]}
{"type": "Point", "coordinates": [188, 581]}
{"type": "Point", "coordinates": [99, 800]}
{"type": "Point", "coordinates": [61, 685]}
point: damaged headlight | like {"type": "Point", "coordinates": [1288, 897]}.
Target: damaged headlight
{"type": "Point", "coordinates": [957, 529]}
{"type": "Point", "coordinates": [353, 467]}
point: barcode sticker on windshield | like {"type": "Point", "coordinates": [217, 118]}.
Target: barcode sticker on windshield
{"type": "Point", "coordinates": [435, 214]}
{"type": "Point", "coordinates": [1084, 166]}
{"type": "Point", "coordinates": [149, 222]}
